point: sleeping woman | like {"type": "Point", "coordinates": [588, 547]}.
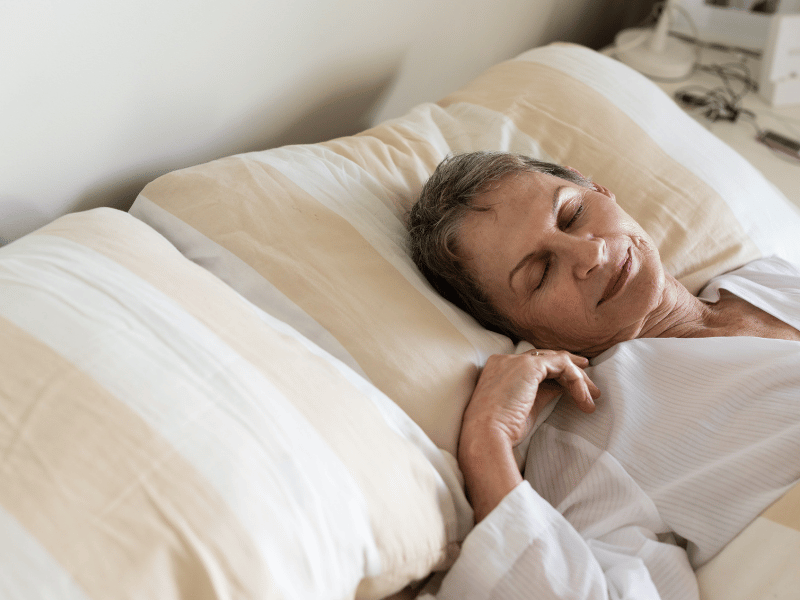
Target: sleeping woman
{"type": "Point", "coordinates": [697, 429]}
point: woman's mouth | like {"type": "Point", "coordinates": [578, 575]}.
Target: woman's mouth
{"type": "Point", "coordinates": [618, 279]}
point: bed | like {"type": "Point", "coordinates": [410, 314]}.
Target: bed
{"type": "Point", "coordinates": [243, 388]}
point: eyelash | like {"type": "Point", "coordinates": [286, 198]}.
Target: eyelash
{"type": "Point", "coordinates": [547, 264]}
{"type": "Point", "coordinates": [575, 216]}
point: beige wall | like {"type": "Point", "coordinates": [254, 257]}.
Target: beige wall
{"type": "Point", "coordinates": [101, 96]}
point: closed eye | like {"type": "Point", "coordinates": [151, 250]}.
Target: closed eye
{"type": "Point", "coordinates": [569, 224]}
{"type": "Point", "coordinates": [544, 275]}
{"type": "Point", "coordinates": [574, 217]}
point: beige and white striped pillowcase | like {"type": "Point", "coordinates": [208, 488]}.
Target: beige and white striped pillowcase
{"type": "Point", "coordinates": [331, 253]}
{"type": "Point", "coordinates": [161, 437]}
{"type": "Point", "coordinates": [315, 234]}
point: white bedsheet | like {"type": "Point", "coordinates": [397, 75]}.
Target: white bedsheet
{"type": "Point", "coordinates": [691, 440]}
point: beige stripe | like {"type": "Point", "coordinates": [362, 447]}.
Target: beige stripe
{"type": "Point", "coordinates": [595, 137]}
{"type": "Point", "coordinates": [317, 259]}
{"type": "Point", "coordinates": [398, 483]}
{"type": "Point", "coordinates": [786, 510]}
{"type": "Point", "coordinates": [763, 561]}
{"type": "Point", "coordinates": [110, 500]}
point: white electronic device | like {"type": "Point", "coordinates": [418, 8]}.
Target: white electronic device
{"type": "Point", "coordinates": [722, 24]}
{"type": "Point", "coordinates": [653, 52]}
{"type": "Point", "coordinates": [779, 78]}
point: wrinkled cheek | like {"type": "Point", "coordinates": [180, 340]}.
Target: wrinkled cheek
{"type": "Point", "coordinates": [566, 328]}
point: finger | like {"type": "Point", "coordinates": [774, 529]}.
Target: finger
{"type": "Point", "coordinates": [593, 389]}
{"type": "Point", "coordinates": [591, 392]}
{"type": "Point", "coordinates": [575, 380]}
{"type": "Point", "coordinates": [579, 360]}
{"type": "Point", "coordinates": [580, 391]}
{"type": "Point", "coordinates": [583, 362]}
{"type": "Point", "coordinates": [566, 369]}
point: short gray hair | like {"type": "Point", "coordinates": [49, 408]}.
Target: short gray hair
{"type": "Point", "coordinates": [435, 221]}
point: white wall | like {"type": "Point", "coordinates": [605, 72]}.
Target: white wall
{"type": "Point", "coordinates": [98, 97]}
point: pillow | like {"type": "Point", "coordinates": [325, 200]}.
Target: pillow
{"type": "Point", "coordinates": [163, 438]}
{"type": "Point", "coordinates": [319, 242]}
{"type": "Point", "coordinates": [315, 234]}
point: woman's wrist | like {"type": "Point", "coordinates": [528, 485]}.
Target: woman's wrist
{"type": "Point", "coordinates": [486, 458]}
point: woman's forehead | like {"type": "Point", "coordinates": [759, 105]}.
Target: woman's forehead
{"type": "Point", "coordinates": [525, 187]}
{"type": "Point", "coordinates": [503, 212]}
{"type": "Point", "coordinates": [516, 196]}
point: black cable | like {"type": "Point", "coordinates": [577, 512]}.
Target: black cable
{"type": "Point", "coordinates": [720, 103]}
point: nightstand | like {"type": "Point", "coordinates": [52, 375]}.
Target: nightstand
{"type": "Point", "coordinates": [781, 170]}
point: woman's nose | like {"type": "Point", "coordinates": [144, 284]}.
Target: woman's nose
{"type": "Point", "coordinates": [587, 254]}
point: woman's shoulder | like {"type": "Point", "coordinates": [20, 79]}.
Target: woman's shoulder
{"type": "Point", "coordinates": [771, 265]}
{"type": "Point", "coordinates": [767, 265]}
{"type": "Point", "coordinates": [770, 271]}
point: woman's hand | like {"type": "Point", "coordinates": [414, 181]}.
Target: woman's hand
{"type": "Point", "coordinates": [511, 391]}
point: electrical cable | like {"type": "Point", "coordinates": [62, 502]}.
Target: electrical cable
{"type": "Point", "coordinates": [723, 103]}
{"type": "Point", "coordinates": [720, 103]}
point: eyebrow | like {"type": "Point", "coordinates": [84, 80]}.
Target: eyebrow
{"type": "Point", "coordinates": [531, 255]}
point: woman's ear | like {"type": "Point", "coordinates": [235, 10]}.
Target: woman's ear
{"type": "Point", "coordinates": [604, 190]}
{"type": "Point", "coordinates": [597, 187]}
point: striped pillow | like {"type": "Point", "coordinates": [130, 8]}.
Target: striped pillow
{"type": "Point", "coordinates": [163, 438]}
{"type": "Point", "coordinates": [315, 234]}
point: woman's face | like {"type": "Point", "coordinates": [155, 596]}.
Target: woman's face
{"type": "Point", "coordinates": [564, 262]}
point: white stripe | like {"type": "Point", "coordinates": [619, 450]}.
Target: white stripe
{"type": "Point", "coordinates": [271, 466]}
{"type": "Point", "coordinates": [476, 127]}
{"type": "Point", "coordinates": [239, 275]}
{"type": "Point", "coordinates": [770, 220]}
{"type": "Point", "coordinates": [453, 504]}
{"type": "Point", "coordinates": [27, 570]}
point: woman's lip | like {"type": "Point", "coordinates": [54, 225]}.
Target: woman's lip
{"type": "Point", "coordinates": [617, 281]}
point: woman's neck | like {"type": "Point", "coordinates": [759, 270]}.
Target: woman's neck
{"type": "Point", "coordinates": [680, 314]}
